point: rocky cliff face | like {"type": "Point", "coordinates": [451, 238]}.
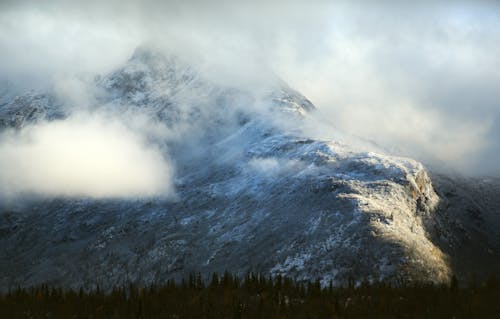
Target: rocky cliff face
{"type": "Point", "coordinates": [255, 195]}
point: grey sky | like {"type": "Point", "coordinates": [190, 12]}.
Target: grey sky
{"type": "Point", "coordinates": [420, 78]}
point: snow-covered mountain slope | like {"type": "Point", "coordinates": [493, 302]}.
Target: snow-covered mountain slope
{"type": "Point", "coordinates": [253, 194]}
{"type": "Point", "coordinates": [28, 108]}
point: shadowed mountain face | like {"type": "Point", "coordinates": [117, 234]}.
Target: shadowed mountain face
{"type": "Point", "coordinates": [466, 225]}
{"type": "Point", "coordinates": [252, 193]}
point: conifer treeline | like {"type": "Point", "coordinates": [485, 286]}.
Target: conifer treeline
{"type": "Point", "coordinates": [257, 296]}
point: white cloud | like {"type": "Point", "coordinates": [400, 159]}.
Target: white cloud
{"type": "Point", "coordinates": [82, 156]}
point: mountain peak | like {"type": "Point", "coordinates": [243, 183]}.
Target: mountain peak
{"type": "Point", "coordinates": [153, 77]}
{"type": "Point", "coordinates": [153, 57]}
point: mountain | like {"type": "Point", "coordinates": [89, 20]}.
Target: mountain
{"type": "Point", "coordinates": [253, 193]}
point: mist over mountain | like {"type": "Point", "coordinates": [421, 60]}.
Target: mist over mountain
{"type": "Point", "coordinates": [418, 78]}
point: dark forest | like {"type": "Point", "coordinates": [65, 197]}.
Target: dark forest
{"type": "Point", "coordinates": [258, 296]}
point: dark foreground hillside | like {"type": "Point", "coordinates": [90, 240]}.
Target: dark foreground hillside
{"type": "Point", "coordinates": [257, 296]}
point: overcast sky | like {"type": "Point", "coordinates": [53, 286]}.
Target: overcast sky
{"type": "Point", "coordinates": [423, 78]}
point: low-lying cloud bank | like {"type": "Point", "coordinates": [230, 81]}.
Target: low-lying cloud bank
{"type": "Point", "coordinates": [84, 156]}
